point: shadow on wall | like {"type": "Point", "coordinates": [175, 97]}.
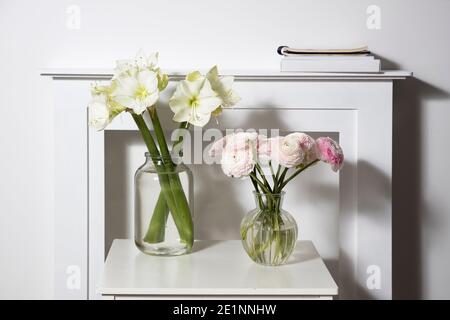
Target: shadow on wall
{"type": "Point", "coordinates": [408, 210]}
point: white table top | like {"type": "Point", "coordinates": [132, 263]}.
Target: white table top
{"type": "Point", "coordinates": [214, 268]}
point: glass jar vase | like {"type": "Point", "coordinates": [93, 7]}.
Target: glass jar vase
{"type": "Point", "coordinates": [162, 207]}
{"type": "Point", "coordinates": [269, 233]}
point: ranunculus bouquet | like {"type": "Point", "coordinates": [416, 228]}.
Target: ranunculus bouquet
{"type": "Point", "coordinates": [269, 233]}
{"type": "Point", "coordinates": [135, 88]}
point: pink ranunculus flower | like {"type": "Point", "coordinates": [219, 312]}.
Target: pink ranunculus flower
{"type": "Point", "coordinates": [238, 163]}
{"type": "Point", "coordinates": [235, 141]}
{"type": "Point", "coordinates": [217, 147]}
{"type": "Point", "coordinates": [308, 145]}
{"type": "Point", "coordinates": [263, 147]}
{"type": "Point", "coordinates": [286, 151]}
{"type": "Point", "coordinates": [330, 152]}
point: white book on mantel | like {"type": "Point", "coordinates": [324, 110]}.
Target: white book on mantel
{"type": "Point", "coordinates": [340, 64]}
{"type": "Point", "coordinates": [330, 57]}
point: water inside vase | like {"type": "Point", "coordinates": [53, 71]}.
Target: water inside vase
{"type": "Point", "coordinates": [162, 238]}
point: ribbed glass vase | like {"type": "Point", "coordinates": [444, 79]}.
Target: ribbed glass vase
{"type": "Point", "coordinates": [269, 233]}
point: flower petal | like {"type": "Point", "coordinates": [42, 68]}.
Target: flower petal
{"type": "Point", "coordinates": [151, 99]}
{"type": "Point", "coordinates": [126, 86]}
{"type": "Point", "coordinates": [191, 88]}
{"type": "Point", "coordinates": [177, 104]}
{"type": "Point", "coordinates": [139, 107]}
{"type": "Point", "coordinates": [208, 104]}
{"type": "Point", "coordinates": [199, 120]}
{"type": "Point", "coordinates": [148, 79]}
{"type": "Point", "coordinates": [205, 90]}
{"type": "Point", "coordinates": [182, 115]}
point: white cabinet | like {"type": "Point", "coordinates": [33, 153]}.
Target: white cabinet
{"type": "Point", "coordinates": [214, 270]}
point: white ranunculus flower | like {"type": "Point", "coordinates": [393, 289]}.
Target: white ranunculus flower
{"type": "Point", "coordinates": [223, 86]}
{"type": "Point", "coordinates": [98, 112]}
{"type": "Point", "coordinates": [194, 100]}
{"type": "Point", "coordinates": [238, 163]}
{"type": "Point", "coordinates": [308, 145]}
{"type": "Point", "coordinates": [136, 92]}
{"type": "Point", "coordinates": [286, 151]}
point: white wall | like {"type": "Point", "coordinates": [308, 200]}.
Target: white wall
{"type": "Point", "coordinates": [234, 34]}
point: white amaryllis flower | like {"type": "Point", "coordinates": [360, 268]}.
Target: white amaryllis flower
{"type": "Point", "coordinates": [136, 92]}
{"type": "Point", "coordinates": [223, 86]}
{"type": "Point", "coordinates": [130, 67]}
{"type": "Point", "coordinates": [124, 68]}
{"type": "Point", "coordinates": [194, 100]}
{"type": "Point", "coordinates": [143, 61]}
{"type": "Point", "coordinates": [98, 112]}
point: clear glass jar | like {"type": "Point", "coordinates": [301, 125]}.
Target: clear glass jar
{"type": "Point", "coordinates": [269, 233]}
{"type": "Point", "coordinates": [163, 227]}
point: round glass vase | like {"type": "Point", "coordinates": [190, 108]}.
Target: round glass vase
{"type": "Point", "coordinates": [161, 227]}
{"type": "Point", "coordinates": [269, 233]}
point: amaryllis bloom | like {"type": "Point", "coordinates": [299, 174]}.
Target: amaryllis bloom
{"type": "Point", "coordinates": [124, 68]}
{"type": "Point", "coordinates": [286, 151]}
{"type": "Point", "coordinates": [194, 100]}
{"type": "Point", "coordinates": [129, 67]}
{"type": "Point", "coordinates": [238, 163]}
{"type": "Point", "coordinates": [308, 145]}
{"type": "Point", "coordinates": [330, 152]}
{"type": "Point", "coordinates": [98, 112]}
{"type": "Point", "coordinates": [223, 86]}
{"type": "Point", "coordinates": [136, 92]}
{"type": "Point", "coordinates": [144, 61]}
{"type": "Point", "coordinates": [234, 142]}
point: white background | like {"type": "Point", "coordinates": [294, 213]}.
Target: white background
{"type": "Point", "coordinates": [234, 34]}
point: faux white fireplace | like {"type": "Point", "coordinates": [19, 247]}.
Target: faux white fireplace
{"type": "Point", "coordinates": [347, 215]}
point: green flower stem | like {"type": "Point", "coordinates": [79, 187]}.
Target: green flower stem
{"type": "Point", "coordinates": [296, 173]}
{"type": "Point", "coordinates": [171, 196]}
{"type": "Point", "coordinates": [261, 173]}
{"type": "Point", "coordinates": [159, 133]}
{"type": "Point", "coordinates": [274, 178]}
{"type": "Point", "coordinates": [277, 176]}
{"type": "Point", "coordinates": [157, 227]}
{"type": "Point", "coordinates": [255, 184]}
{"type": "Point", "coordinates": [269, 194]}
{"type": "Point", "coordinates": [183, 126]}
{"type": "Point", "coordinates": [281, 179]}
{"type": "Point", "coordinates": [261, 185]}
{"type": "Point", "coordinates": [183, 217]}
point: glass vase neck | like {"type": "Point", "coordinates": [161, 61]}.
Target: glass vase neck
{"type": "Point", "coordinates": [269, 201]}
{"type": "Point", "coordinates": [174, 158]}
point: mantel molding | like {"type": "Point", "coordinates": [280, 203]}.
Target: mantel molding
{"type": "Point", "coordinates": [106, 74]}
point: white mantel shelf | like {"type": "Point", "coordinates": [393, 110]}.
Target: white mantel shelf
{"type": "Point", "coordinates": [214, 269]}
{"type": "Point", "coordinates": [106, 74]}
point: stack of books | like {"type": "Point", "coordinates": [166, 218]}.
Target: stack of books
{"type": "Point", "coordinates": [354, 60]}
